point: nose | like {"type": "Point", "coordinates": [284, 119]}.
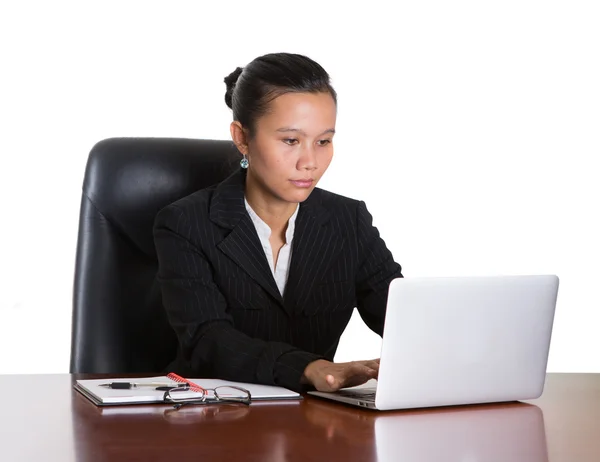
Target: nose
{"type": "Point", "coordinates": [308, 158]}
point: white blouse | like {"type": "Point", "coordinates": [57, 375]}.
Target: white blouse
{"type": "Point", "coordinates": [280, 272]}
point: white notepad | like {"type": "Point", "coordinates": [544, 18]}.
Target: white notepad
{"type": "Point", "coordinates": [102, 396]}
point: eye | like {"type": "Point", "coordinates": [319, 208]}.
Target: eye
{"type": "Point", "coordinates": [324, 142]}
{"type": "Point", "coordinates": [290, 141]}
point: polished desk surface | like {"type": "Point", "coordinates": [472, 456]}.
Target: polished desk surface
{"type": "Point", "coordinates": [45, 419]}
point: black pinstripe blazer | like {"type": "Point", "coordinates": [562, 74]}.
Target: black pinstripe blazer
{"type": "Point", "coordinates": [223, 302]}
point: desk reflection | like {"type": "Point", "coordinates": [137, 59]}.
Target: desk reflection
{"type": "Point", "coordinates": [513, 432]}
{"type": "Point", "coordinates": [488, 433]}
{"type": "Point", "coordinates": [194, 414]}
{"type": "Point", "coordinates": [339, 423]}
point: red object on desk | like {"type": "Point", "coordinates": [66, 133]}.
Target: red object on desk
{"type": "Point", "coordinates": [177, 378]}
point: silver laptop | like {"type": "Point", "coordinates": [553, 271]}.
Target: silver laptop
{"type": "Point", "coordinates": [461, 340]}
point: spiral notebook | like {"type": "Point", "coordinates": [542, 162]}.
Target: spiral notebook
{"type": "Point", "coordinates": [146, 393]}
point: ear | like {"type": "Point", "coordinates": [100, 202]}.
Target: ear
{"type": "Point", "coordinates": [239, 137]}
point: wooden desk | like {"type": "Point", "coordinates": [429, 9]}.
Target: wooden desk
{"type": "Point", "coordinates": [44, 419]}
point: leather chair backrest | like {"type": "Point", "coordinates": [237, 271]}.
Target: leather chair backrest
{"type": "Point", "coordinates": [119, 324]}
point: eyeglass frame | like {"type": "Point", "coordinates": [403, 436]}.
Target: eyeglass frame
{"type": "Point", "coordinates": [204, 397]}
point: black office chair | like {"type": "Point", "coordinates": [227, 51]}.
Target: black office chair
{"type": "Point", "coordinates": [119, 324]}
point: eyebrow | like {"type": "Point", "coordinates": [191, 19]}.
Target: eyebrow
{"type": "Point", "coordinates": [302, 132]}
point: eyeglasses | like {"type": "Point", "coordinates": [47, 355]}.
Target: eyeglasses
{"type": "Point", "coordinates": [221, 394]}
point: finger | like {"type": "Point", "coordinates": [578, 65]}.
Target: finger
{"type": "Point", "coordinates": [354, 373]}
{"type": "Point", "coordinates": [372, 364]}
{"type": "Point", "coordinates": [358, 379]}
{"type": "Point", "coordinates": [358, 374]}
{"type": "Point", "coordinates": [364, 367]}
{"type": "Point", "coordinates": [375, 360]}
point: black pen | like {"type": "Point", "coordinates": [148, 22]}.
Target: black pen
{"type": "Point", "coordinates": [130, 385]}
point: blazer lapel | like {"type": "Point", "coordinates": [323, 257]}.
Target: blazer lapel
{"type": "Point", "coordinates": [242, 245]}
{"type": "Point", "coordinates": [316, 244]}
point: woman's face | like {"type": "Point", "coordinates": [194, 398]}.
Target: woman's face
{"type": "Point", "coordinates": [292, 146]}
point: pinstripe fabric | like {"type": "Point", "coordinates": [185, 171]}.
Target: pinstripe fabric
{"type": "Point", "coordinates": [223, 302]}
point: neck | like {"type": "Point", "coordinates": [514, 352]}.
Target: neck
{"type": "Point", "coordinates": [273, 211]}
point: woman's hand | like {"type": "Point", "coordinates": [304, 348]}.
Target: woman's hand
{"type": "Point", "coordinates": [328, 376]}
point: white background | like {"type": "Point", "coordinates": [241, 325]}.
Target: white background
{"type": "Point", "coordinates": [470, 128]}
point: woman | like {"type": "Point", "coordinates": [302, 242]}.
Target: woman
{"type": "Point", "coordinates": [260, 274]}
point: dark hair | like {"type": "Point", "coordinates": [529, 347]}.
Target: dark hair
{"type": "Point", "coordinates": [252, 88]}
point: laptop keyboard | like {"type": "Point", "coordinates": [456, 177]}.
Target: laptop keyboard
{"type": "Point", "coordinates": [368, 394]}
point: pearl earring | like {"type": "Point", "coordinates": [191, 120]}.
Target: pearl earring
{"type": "Point", "coordinates": [244, 162]}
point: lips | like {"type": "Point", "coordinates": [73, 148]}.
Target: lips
{"type": "Point", "coordinates": [302, 183]}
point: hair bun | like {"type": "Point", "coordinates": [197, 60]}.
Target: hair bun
{"type": "Point", "coordinates": [230, 82]}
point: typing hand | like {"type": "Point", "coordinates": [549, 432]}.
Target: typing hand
{"type": "Point", "coordinates": [328, 376]}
